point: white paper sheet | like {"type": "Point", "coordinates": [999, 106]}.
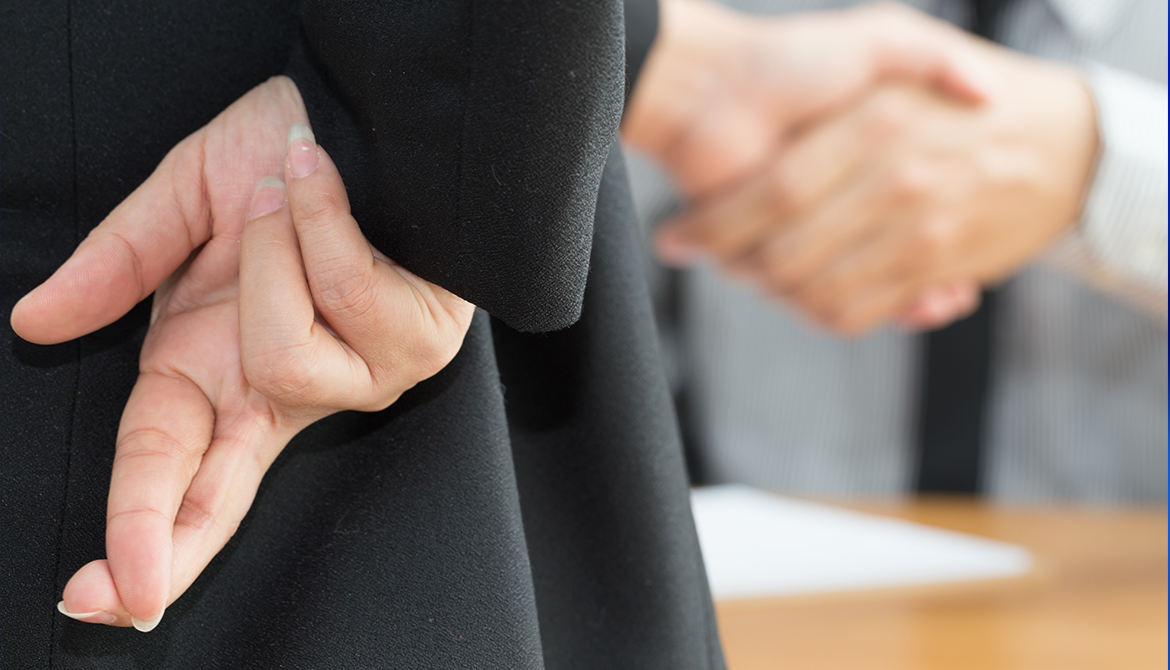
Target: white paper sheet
{"type": "Point", "coordinates": [757, 544]}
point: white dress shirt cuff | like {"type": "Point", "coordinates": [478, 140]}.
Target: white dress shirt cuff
{"type": "Point", "coordinates": [1123, 224]}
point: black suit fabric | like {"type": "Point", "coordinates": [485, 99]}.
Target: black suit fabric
{"type": "Point", "coordinates": [526, 507]}
{"type": "Point", "coordinates": [481, 129]}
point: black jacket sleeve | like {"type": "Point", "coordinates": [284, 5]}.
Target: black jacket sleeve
{"type": "Point", "coordinates": [471, 137]}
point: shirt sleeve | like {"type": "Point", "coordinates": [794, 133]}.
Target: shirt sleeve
{"type": "Point", "coordinates": [1120, 243]}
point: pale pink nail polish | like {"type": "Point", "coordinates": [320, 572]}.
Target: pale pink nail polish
{"type": "Point", "coordinates": [268, 198]}
{"type": "Point", "coordinates": [302, 151]}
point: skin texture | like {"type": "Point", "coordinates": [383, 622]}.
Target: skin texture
{"type": "Point", "coordinates": [271, 311]}
{"type": "Point", "coordinates": [861, 166]}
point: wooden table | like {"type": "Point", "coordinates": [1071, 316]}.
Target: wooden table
{"type": "Point", "coordinates": [1096, 599]}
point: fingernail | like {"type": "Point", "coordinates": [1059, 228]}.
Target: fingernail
{"type": "Point", "coordinates": [302, 150]}
{"type": "Point", "coordinates": [97, 616]}
{"type": "Point", "coordinates": [268, 198]}
{"type": "Point", "coordinates": [147, 625]}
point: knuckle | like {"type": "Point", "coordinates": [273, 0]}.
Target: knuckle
{"type": "Point", "coordinates": [381, 402]}
{"type": "Point", "coordinates": [434, 353]}
{"type": "Point", "coordinates": [317, 207]}
{"type": "Point", "coordinates": [195, 514]}
{"type": "Point", "coordinates": [907, 181]}
{"type": "Point", "coordinates": [157, 445]}
{"type": "Point", "coordinates": [285, 375]}
{"type": "Point", "coordinates": [932, 239]}
{"type": "Point", "coordinates": [440, 348]}
{"type": "Point", "coordinates": [128, 515]}
{"type": "Point", "coordinates": [349, 293]}
{"type": "Point", "coordinates": [417, 359]}
{"type": "Point", "coordinates": [199, 516]}
{"type": "Point", "coordinates": [160, 443]}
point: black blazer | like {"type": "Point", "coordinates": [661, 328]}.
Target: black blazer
{"type": "Point", "coordinates": [525, 508]}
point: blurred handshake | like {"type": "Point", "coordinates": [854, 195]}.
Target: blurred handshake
{"type": "Point", "coordinates": [863, 166]}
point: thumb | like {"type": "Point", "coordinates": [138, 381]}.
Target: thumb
{"type": "Point", "coordinates": [362, 295]}
{"type": "Point", "coordinates": [149, 235]}
{"type": "Point", "coordinates": [92, 597]}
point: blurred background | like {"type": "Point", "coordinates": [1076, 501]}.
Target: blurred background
{"type": "Point", "coordinates": [1072, 396]}
{"type": "Point", "coordinates": [1022, 400]}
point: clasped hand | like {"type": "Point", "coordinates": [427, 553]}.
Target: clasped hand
{"type": "Point", "coordinates": [891, 186]}
{"type": "Point", "coordinates": [271, 311]}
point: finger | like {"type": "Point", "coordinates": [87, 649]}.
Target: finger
{"type": "Point", "coordinates": [220, 495]}
{"type": "Point", "coordinates": [965, 299]}
{"type": "Point", "coordinates": [858, 313]}
{"type": "Point", "coordinates": [897, 252]}
{"type": "Point", "coordinates": [91, 596]}
{"type": "Point", "coordinates": [275, 308]}
{"type": "Point", "coordinates": [790, 258]}
{"type": "Point", "coordinates": [880, 279]}
{"type": "Point", "coordinates": [727, 225]}
{"type": "Point", "coordinates": [907, 44]}
{"type": "Point", "coordinates": [148, 236]}
{"type": "Point", "coordinates": [878, 204]}
{"type": "Point", "coordinates": [276, 315]}
{"type": "Point", "coordinates": [831, 289]}
{"type": "Point", "coordinates": [721, 145]}
{"type": "Point", "coordinates": [718, 228]}
{"type": "Point", "coordinates": [940, 305]}
{"type": "Point", "coordinates": [286, 354]}
{"type": "Point", "coordinates": [362, 296]}
{"type": "Point", "coordinates": [340, 264]}
{"type": "Point", "coordinates": [833, 292]}
{"type": "Point", "coordinates": [165, 430]}
{"type": "Point", "coordinates": [906, 251]}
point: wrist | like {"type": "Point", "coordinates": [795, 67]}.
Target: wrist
{"type": "Point", "coordinates": [1077, 142]}
{"type": "Point", "coordinates": [1088, 131]}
